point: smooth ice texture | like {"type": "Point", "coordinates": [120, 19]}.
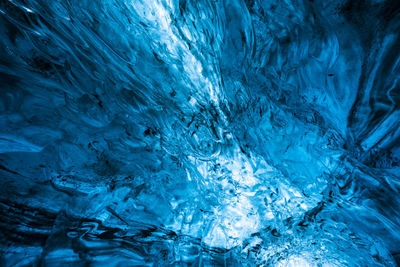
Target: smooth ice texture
{"type": "Point", "coordinates": [172, 132]}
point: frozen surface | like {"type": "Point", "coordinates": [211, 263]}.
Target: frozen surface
{"type": "Point", "coordinates": [170, 132]}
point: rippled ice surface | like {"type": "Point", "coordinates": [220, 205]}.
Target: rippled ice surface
{"type": "Point", "coordinates": [228, 132]}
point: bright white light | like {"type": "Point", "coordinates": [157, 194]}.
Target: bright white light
{"type": "Point", "coordinates": [294, 261]}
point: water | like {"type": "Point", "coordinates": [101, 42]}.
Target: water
{"type": "Point", "coordinates": [200, 133]}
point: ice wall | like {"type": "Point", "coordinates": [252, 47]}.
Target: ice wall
{"type": "Point", "coordinates": [205, 133]}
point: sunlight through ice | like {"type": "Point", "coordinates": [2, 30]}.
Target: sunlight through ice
{"type": "Point", "coordinates": [250, 194]}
